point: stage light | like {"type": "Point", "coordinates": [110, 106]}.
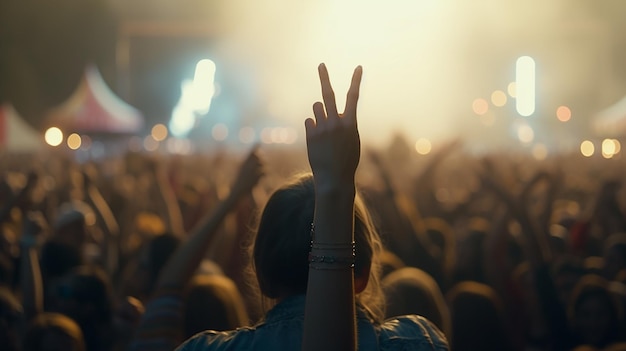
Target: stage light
{"type": "Point", "coordinates": [525, 86]}
{"type": "Point", "coordinates": [53, 136]}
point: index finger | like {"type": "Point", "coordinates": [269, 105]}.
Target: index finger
{"type": "Point", "coordinates": [353, 94]}
{"type": "Point", "coordinates": [327, 93]}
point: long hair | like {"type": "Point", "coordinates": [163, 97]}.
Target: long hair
{"type": "Point", "coordinates": [282, 243]}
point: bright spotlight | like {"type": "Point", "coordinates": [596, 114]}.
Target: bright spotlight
{"type": "Point", "coordinates": [195, 99]}
{"type": "Point", "coordinates": [53, 136]}
{"type": "Point", "coordinates": [525, 86]}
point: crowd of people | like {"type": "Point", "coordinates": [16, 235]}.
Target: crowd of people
{"type": "Point", "coordinates": [205, 252]}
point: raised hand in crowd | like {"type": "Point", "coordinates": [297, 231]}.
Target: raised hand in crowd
{"type": "Point", "coordinates": [164, 311]}
{"type": "Point", "coordinates": [334, 150]}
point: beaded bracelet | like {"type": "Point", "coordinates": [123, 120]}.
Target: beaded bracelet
{"type": "Point", "coordinates": [330, 262]}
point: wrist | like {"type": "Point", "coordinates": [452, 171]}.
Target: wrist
{"type": "Point", "coordinates": [337, 189]}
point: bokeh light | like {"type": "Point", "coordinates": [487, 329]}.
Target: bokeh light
{"type": "Point", "coordinates": [525, 134]}
{"type": "Point", "coordinates": [587, 148]}
{"type": "Point", "coordinates": [150, 144]}
{"type": "Point", "coordinates": [480, 106]}
{"type": "Point", "coordinates": [563, 113]}
{"type": "Point", "coordinates": [159, 132]}
{"type": "Point", "coordinates": [74, 141]}
{"type": "Point", "coordinates": [247, 135]}
{"type": "Point", "coordinates": [540, 152]}
{"type": "Point", "coordinates": [423, 146]}
{"type": "Point", "coordinates": [220, 132]}
{"type": "Point", "coordinates": [512, 89]}
{"type": "Point", "coordinates": [53, 136]}
{"type": "Point", "coordinates": [610, 148]}
{"type": "Point", "coordinates": [179, 146]}
{"type": "Point", "coordinates": [498, 98]}
{"type": "Point", "coordinates": [86, 142]}
{"type": "Point", "coordinates": [618, 146]}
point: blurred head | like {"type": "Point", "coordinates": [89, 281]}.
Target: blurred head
{"type": "Point", "coordinates": [469, 262]}
{"type": "Point", "coordinates": [283, 239]}
{"type": "Point", "coordinates": [213, 302]}
{"type": "Point", "coordinates": [58, 258]}
{"type": "Point", "coordinates": [567, 271]}
{"type": "Point", "coordinates": [151, 259]}
{"type": "Point", "coordinates": [442, 236]}
{"type": "Point", "coordinates": [595, 313]}
{"type": "Point", "coordinates": [70, 226]}
{"type": "Point", "coordinates": [412, 291]}
{"type": "Point", "coordinates": [614, 255]}
{"type": "Point", "coordinates": [477, 318]}
{"type": "Point", "coordinates": [53, 332]}
{"type": "Point", "coordinates": [620, 346]}
{"type": "Point", "coordinates": [85, 295]}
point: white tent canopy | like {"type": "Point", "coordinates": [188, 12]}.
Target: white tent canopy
{"type": "Point", "coordinates": [15, 134]}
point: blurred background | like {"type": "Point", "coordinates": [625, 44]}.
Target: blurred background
{"type": "Point", "coordinates": [537, 76]}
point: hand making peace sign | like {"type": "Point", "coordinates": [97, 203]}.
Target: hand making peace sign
{"type": "Point", "coordinates": [333, 142]}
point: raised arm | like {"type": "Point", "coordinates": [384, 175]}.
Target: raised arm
{"type": "Point", "coordinates": [160, 325]}
{"type": "Point", "coordinates": [107, 222]}
{"type": "Point", "coordinates": [31, 284]}
{"type": "Point", "coordinates": [182, 265]}
{"type": "Point", "coordinates": [334, 150]}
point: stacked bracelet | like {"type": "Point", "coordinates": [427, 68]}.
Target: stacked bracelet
{"type": "Point", "coordinates": [327, 256]}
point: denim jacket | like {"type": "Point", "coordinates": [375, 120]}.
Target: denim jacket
{"type": "Point", "coordinates": [282, 330]}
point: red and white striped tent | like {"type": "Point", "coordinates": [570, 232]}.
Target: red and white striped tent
{"type": "Point", "coordinates": [94, 109]}
{"type": "Point", "coordinates": [15, 134]}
